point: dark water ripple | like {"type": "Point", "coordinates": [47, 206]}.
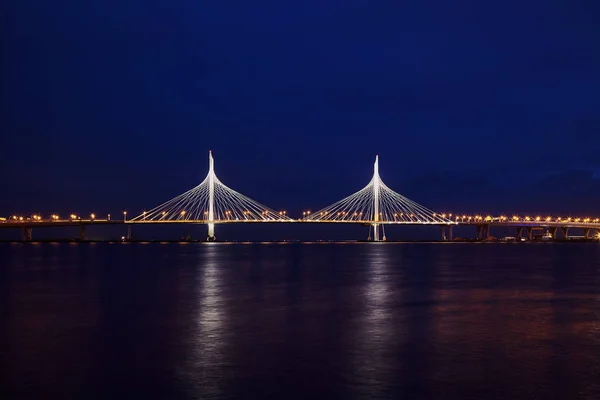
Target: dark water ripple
{"type": "Point", "coordinates": [298, 321]}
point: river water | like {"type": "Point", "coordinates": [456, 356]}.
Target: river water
{"type": "Point", "coordinates": [300, 321]}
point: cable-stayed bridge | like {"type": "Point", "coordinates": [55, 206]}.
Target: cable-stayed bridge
{"type": "Point", "coordinates": [375, 205]}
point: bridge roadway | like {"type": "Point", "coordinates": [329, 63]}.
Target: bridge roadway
{"type": "Point", "coordinates": [523, 226]}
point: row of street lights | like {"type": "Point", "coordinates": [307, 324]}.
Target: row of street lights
{"type": "Point", "coordinates": [53, 217]}
{"type": "Point", "coordinates": [305, 214]}
{"type": "Point", "coordinates": [516, 218]}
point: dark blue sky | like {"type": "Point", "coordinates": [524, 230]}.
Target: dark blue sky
{"type": "Point", "coordinates": [471, 105]}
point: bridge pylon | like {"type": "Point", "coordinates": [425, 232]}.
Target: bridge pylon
{"type": "Point", "coordinates": [211, 202]}
{"type": "Point", "coordinates": [211, 198]}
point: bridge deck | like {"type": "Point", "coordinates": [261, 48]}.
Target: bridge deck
{"type": "Point", "coordinates": [98, 222]}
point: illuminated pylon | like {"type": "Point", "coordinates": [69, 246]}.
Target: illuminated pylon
{"type": "Point", "coordinates": [378, 205]}
{"type": "Point", "coordinates": [211, 202]}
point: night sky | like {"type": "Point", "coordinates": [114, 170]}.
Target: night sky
{"type": "Point", "coordinates": [471, 105]}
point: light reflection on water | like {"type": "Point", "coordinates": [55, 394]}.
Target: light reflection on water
{"type": "Point", "coordinates": [207, 357]}
{"type": "Point", "coordinates": [292, 321]}
{"type": "Point", "coordinates": [376, 332]}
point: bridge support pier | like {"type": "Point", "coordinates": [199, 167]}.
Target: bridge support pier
{"type": "Point", "coordinates": [486, 230]}
{"type": "Point", "coordinates": [565, 232]}
{"type": "Point", "coordinates": [529, 233]}
{"type": "Point", "coordinates": [376, 236]}
{"type": "Point", "coordinates": [82, 232]}
{"type": "Point", "coordinates": [211, 233]}
{"type": "Point", "coordinates": [519, 233]}
{"type": "Point", "coordinates": [446, 233]}
{"type": "Point", "coordinates": [26, 233]}
{"type": "Point", "coordinates": [553, 232]}
{"type": "Point", "coordinates": [586, 232]}
{"type": "Point", "coordinates": [376, 232]}
{"type": "Point", "coordinates": [483, 232]}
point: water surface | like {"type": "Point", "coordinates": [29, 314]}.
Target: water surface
{"type": "Point", "coordinates": [298, 321]}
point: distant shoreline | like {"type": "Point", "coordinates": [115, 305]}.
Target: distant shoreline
{"type": "Point", "coordinates": [578, 240]}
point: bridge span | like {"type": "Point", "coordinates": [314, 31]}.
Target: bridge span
{"type": "Point", "coordinates": [523, 228]}
{"type": "Point", "coordinates": [212, 203]}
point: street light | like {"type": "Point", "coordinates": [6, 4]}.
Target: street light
{"type": "Point", "coordinates": [124, 216]}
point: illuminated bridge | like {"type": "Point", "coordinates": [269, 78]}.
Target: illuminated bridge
{"type": "Point", "coordinates": [375, 205]}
